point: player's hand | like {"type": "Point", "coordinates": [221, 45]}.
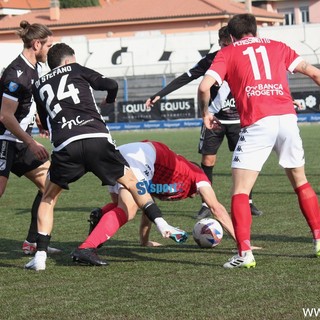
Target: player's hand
{"type": "Point", "coordinates": [38, 150]}
{"type": "Point", "coordinates": [256, 248]}
{"type": "Point", "coordinates": [149, 103]}
{"type": "Point", "coordinates": [44, 133]}
{"type": "Point", "coordinates": [211, 122]}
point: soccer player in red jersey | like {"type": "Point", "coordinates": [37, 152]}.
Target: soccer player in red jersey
{"type": "Point", "coordinates": [223, 107]}
{"type": "Point", "coordinates": [178, 178]}
{"type": "Point", "coordinates": [256, 71]}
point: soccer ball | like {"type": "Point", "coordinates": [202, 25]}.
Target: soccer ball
{"type": "Point", "coordinates": [207, 233]}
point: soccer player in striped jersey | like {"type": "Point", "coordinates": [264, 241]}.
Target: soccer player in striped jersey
{"type": "Point", "coordinates": [81, 142]}
{"type": "Point", "coordinates": [20, 153]}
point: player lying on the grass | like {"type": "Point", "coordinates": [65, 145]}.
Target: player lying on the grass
{"type": "Point", "coordinates": [169, 172]}
{"type": "Point", "coordinates": [81, 142]}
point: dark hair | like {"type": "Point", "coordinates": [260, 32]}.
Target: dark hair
{"type": "Point", "coordinates": [57, 53]}
{"type": "Point", "coordinates": [241, 25]}
{"type": "Point", "coordinates": [30, 32]}
{"type": "Point", "coordinates": [224, 33]}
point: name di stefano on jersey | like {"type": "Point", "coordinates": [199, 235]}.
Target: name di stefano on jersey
{"type": "Point", "coordinates": [52, 74]}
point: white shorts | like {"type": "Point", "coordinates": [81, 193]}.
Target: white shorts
{"type": "Point", "coordinates": [141, 157]}
{"type": "Point", "coordinates": [278, 133]}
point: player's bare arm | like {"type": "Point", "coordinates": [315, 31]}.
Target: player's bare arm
{"type": "Point", "coordinates": [218, 210]}
{"type": "Point", "coordinates": [8, 109]}
{"type": "Point", "coordinates": [145, 228]}
{"type": "Point", "coordinates": [210, 121]}
{"type": "Point", "coordinates": [309, 70]}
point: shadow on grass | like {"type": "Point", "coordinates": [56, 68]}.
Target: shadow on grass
{"type": "Point", "coordinates": [118, 251]}
{"type": "Point", "coordinates": [114, 251]}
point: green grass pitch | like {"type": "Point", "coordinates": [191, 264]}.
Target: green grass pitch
{"type": "Point", "coordinates": [175, 281]}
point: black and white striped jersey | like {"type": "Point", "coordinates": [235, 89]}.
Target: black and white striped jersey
{"type": "Point", "coordinates": [66, 104]}
{"type": "Point", "coordinates": [227, 112]}
{"type": "Point", "coordinates": [16, 84]}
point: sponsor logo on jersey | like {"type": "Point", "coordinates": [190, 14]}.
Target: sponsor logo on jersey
{"type": "Point", "coordinates": [74, 122]}
{"type": "Point", "coordinates": [19, 73]}
{"type": "Point", "coordinates": [13, 86]}
{"type": "Point", "coordinates": [159, 188]}
{"type": "Point", "coordinates": [236, 159]}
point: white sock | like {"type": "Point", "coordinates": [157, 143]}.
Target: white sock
{"type": "Point", "coordinates": [162, 225]}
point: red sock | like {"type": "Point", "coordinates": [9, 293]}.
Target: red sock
{"type": "Point", "coordinates": [109, 224]}
{"type": "Point", "coordinates": [241, 219]}
{"type": "Point", "coordinates": [309, 205]}
{"type": "Point", "coordinates": [108, 207]}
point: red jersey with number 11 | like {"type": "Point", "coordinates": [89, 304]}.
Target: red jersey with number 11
{"type": "Point", "coordinates": [256, 71]}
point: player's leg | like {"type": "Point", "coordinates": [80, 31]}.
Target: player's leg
{"type": "Point", "coordinates": [108, 225]}
{"type": "Point", "coordinates": [308, 202]}
{"type": "Point", "coordinates": [253, 149]}
{"type": "Point", "coordinates": [210, 142]}
{"type": "Point", "coordinates": [45, 225]}
{"type": "Point", "coordinates": [232, 134]}
{"type": "Point", "coordinates": [63, 170]}
{"type": "Point", "coordinates": [149, 207]}
{"type": "Point", "coordinates": [38, 177]}
{"type": "Point", "coordinates": [291, 157]}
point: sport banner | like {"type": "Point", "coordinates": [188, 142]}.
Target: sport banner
{"type": "Point", "coordinates": [132, 111]}
{"type": "Point", "coordinates": [308, 101]}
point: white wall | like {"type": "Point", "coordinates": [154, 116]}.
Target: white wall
{"type": "Point", "coordinates": [140, 54]}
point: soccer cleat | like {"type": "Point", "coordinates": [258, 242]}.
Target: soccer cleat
{"type": "Point", "coordinates": [317, 247]}
{"type": "Point", "coordinates": [88, 256]}
{"type": "Point", "coordinates": [178, 235]}
{"type": "Point", "coordinates": [37, 263]}
{"type": "Point", "coordinates": [94, 218]}
{"type": "Point", "coordinates": [30, 248]}
{"type": "Point", "coordinates": [247, 261]}
{"type": "Point", "coordinates": [204, 212]}
{"type": "Point", "coordinates": [255, 211]}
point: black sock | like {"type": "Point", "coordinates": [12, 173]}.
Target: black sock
{"type": "Point", "coordinates": [208, 171]}
{"type": "Point", "coordinates": [33, 229]}
{"type": "Point", "coordinates": [43, 242]}
{"type": "Point", "coordinates": [152, 211]}
{"type": "Point", "coordinates": [250, 196]}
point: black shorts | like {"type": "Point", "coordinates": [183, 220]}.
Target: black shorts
{"type": "Point", "coordinates": [96, 155]}
{"type": "Point", "coordinates": [17, 158]}
{"type": "Point", "coordinates": [211, 140]}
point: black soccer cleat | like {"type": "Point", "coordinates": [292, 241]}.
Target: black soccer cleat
{"type": "Point", "coordinates": [255, 211]}
{"type": "Point", "coordinates": [94, 218]}
{"type": "Point", "coordinates": [204, 212]}
{"type": "Point", "coordinates": [87, 256]}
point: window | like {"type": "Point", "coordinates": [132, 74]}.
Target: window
{"type": "Point", "coordinates": [304, 14]}
{"type": "Point", "coordinates": [288, 16]}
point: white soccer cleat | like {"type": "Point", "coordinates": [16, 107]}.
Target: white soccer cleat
{"type": "Point", "coordinates": [247, 261]}
{"type": "Point", "coordinates": [30, 248]}
{"type": "Point", "coordinates": [38, 263]}
{"type": "Point", "coordinates": [175, 234]}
